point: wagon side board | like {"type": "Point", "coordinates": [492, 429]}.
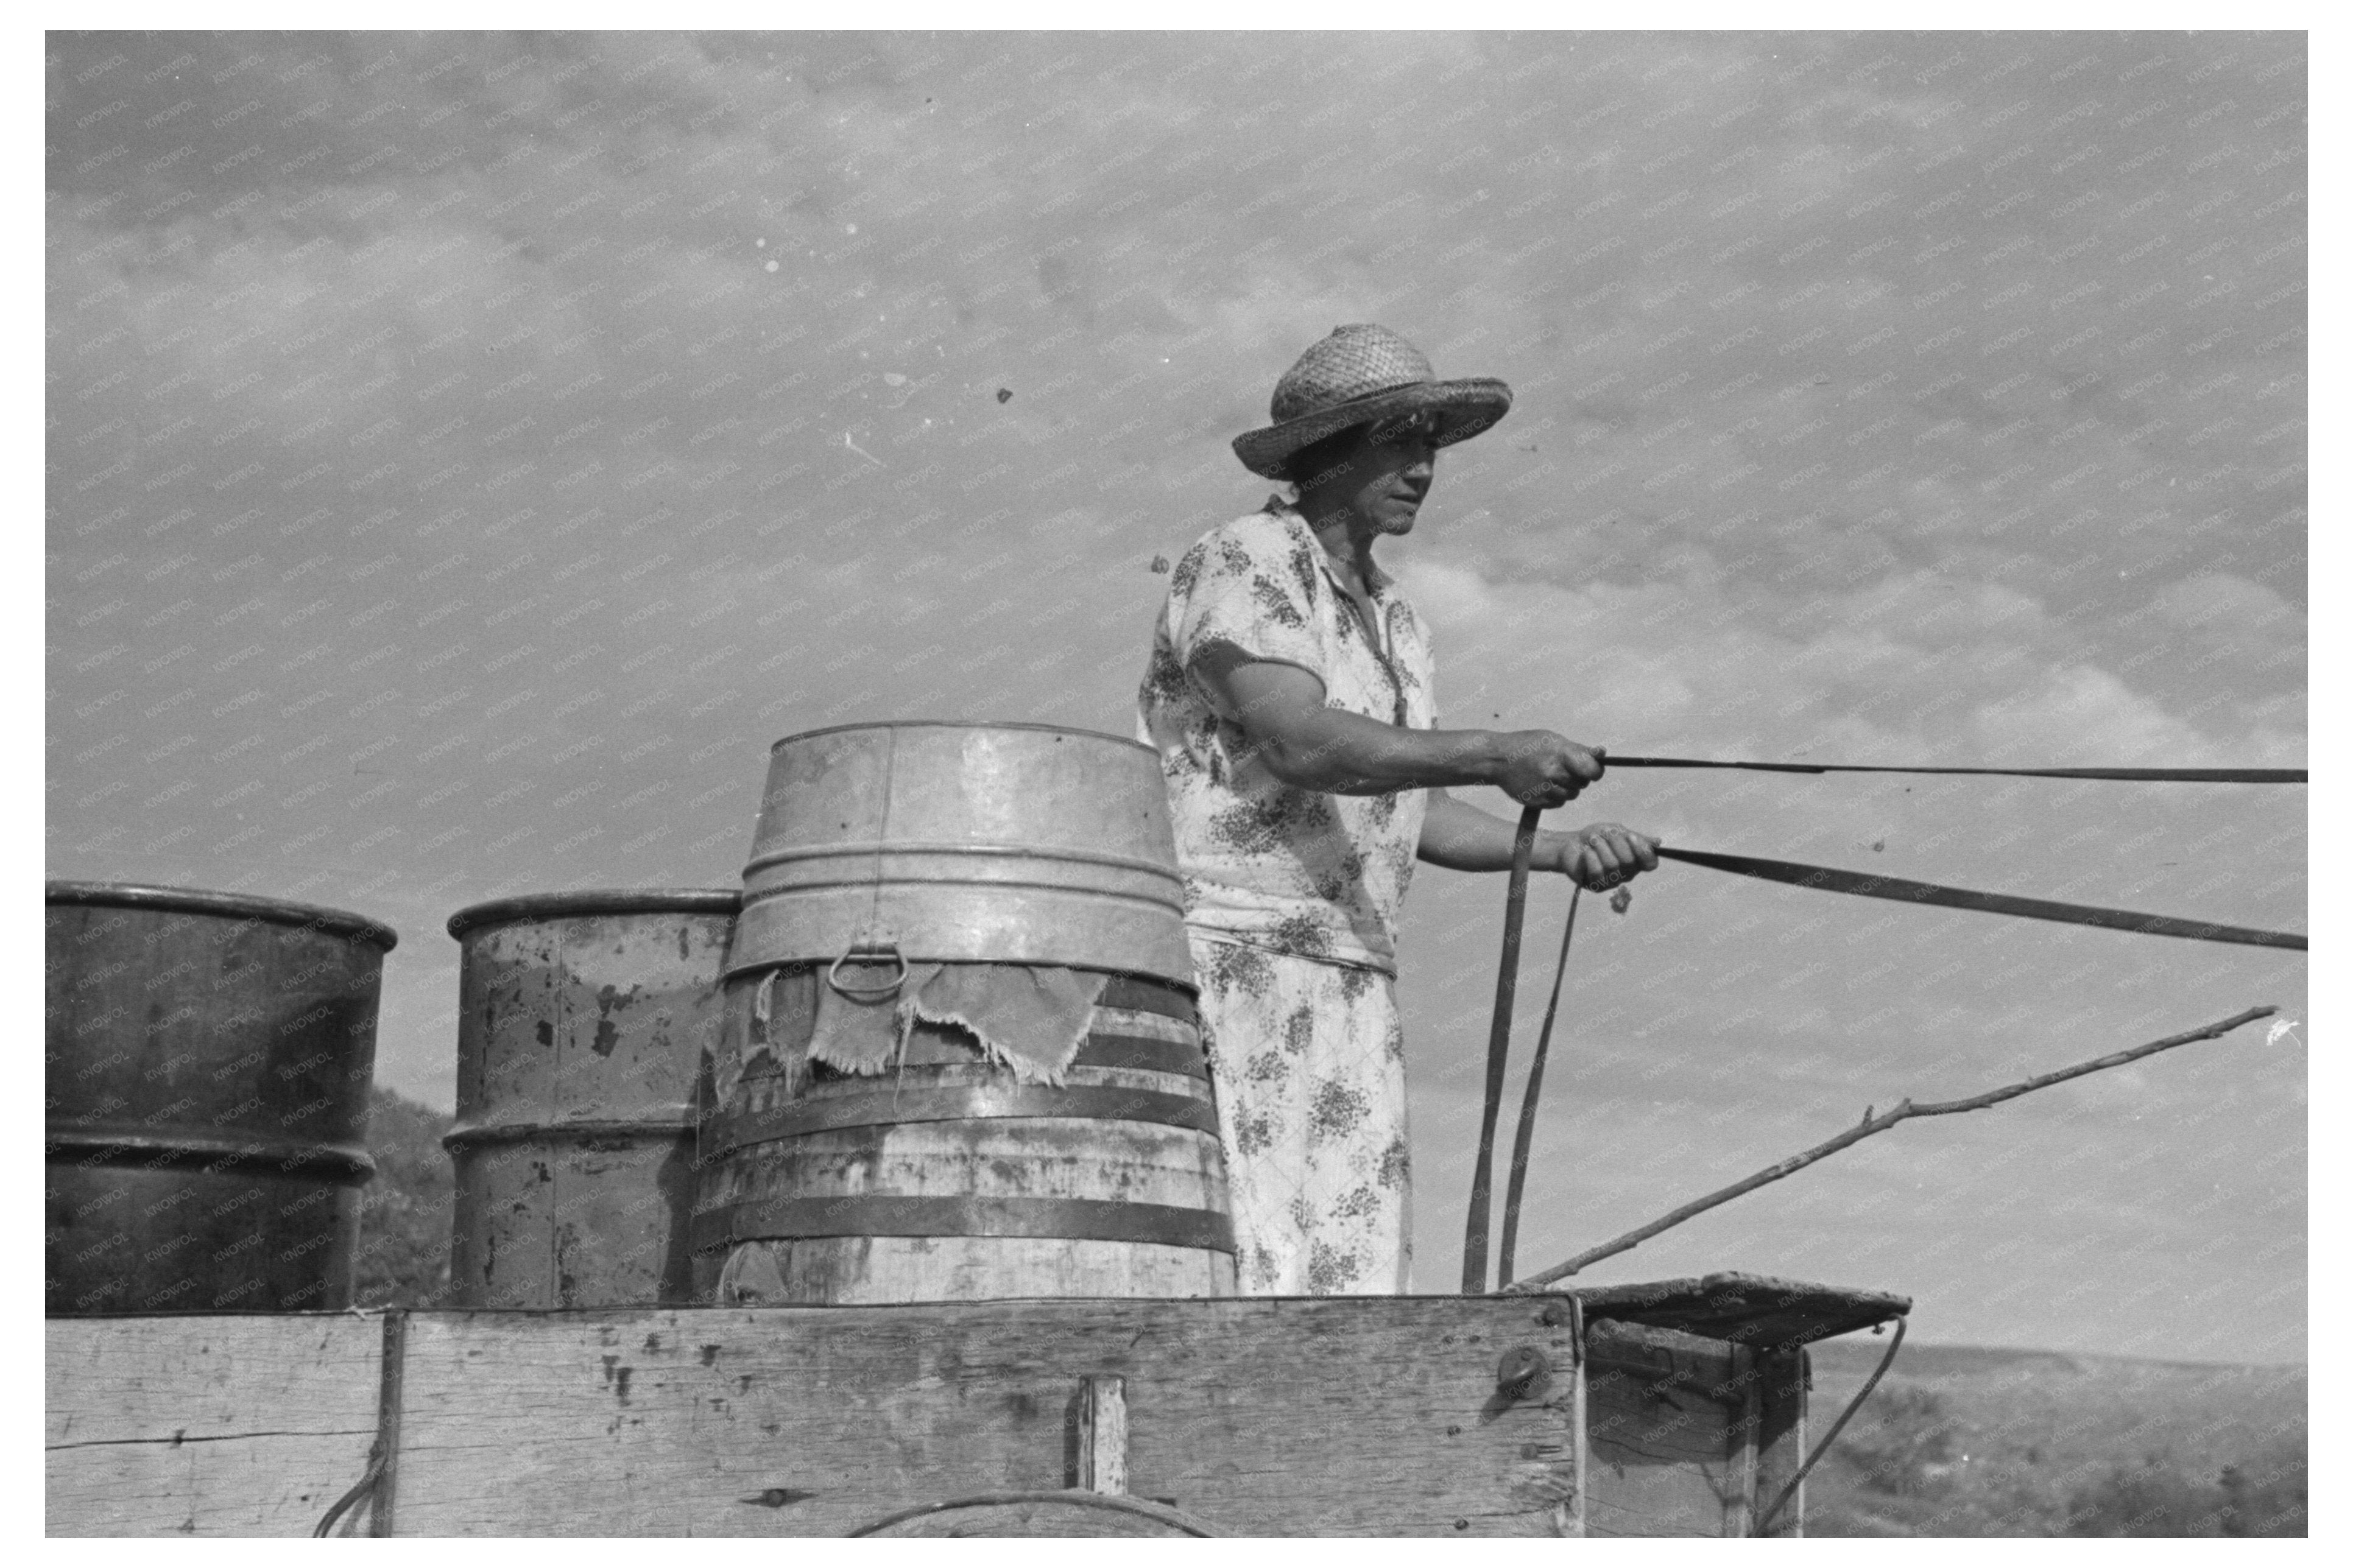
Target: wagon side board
{"type": "Point", "coordinates": [1332, 1417]}
{"type": "Point", "coordinates": [1294, 1417]}
{"type": "Point", "coordinates": [1685, 1436]}
{"type": "Point", "coordinates": [205, 1426]}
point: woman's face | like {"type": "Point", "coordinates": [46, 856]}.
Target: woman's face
{"type": "Point", "coordinates": [1383, 478]}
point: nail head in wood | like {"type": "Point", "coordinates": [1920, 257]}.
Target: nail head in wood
{"type": "Point", "coordinates": [1522, 1372]}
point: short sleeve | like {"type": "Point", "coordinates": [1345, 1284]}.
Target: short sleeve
{"type": "Point", "coordinates": [1253, 589]}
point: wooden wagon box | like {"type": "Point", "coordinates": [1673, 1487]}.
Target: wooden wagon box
{"type": "Point", "coordinates": [1681, 1411]}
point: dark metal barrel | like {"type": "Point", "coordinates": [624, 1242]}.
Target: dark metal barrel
{"type": "Point", "coordinates": [583, 1019]}
{"type": "Point", "coordinates": [209, 1062]}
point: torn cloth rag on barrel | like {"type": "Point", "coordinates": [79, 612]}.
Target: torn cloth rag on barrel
{"type": "Point", "coordinates": [1031, 1018]}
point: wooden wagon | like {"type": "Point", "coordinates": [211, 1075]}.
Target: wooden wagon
{"type": "Point", "coordinates": [1677, 1408]}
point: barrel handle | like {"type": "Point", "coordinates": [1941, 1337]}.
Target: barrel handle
{"type": "Point", "coordinates": [869, 992]}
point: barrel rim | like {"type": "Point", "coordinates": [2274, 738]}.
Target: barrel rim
{"type": "Point", "coordinates": [967, 724]}
{"type": "Point", "coordinates": [207, 901]}
{"type": "Point", "coordinates": [733, 975]}
{"type": "Point", "coordinates": [596, 901]}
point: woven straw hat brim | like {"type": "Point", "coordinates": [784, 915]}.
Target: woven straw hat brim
{"type": "Point", "coordinates": [1464, 408]}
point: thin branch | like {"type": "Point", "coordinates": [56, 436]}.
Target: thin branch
{"type": "Point", "coordinates": [1871, 1124]}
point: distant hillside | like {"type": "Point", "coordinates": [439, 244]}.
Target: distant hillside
{"type": "Point", "coordinates": [1961, 1441]}
{"type": "Point", "coordinates": [404, 1249]}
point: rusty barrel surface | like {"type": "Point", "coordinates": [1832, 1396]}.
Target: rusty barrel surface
{"type": "Point", "coordinates": [965, 843]}
{"type": "Point", "coordinates": [209, 1062]}
{"type": "Point", "coordinates": [948, 1179]}
{"type": "Point", "coordinates": [582, 1018]}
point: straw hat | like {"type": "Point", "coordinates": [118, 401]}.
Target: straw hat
{"type": "Point", "coordinates": [1360, 374]}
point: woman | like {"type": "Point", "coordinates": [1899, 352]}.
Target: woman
{"type": "Point", "coordinates": [1289, 694]}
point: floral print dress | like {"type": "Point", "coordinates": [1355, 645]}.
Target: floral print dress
{"type": "Point", "coordinates": [1290, 903]}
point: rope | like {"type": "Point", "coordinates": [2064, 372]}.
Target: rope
{"type": "Point", "coordinates": [376, 1483]}
{"type": "Point", "coordinates": [1499, 1050]}
{"type": "Point", "coordinates": [1765, 1519]}
{"type": "Point", "coordinates": [1830, 880]}
{"type": "Point", "coordinates": [1075, 1497]}
{"type": "Point", "coordinates": [1527, 1134]}
{"type": "Point", "coordinates": [2130, 775]}
{"type": "Point", "coordinates": [362, 1488]}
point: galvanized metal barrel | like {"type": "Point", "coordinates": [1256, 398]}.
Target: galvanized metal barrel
{"type": "Point", "coordinates": [583, 1019]}
{"type": "Point", "coordinates": [209, 1057]}
{"type": "Point", "coordinates": [947, 1179]}
{"type": "Point", "coordinates": [908, 844]}
{"type": "Point", "coordinates": [967, 843]}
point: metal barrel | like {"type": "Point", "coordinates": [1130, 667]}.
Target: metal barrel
{"type": "Point", "coordinates": [970, 843]}
{"type": "Point", "coordinates": [583, 1020]}
{"type": "Point", "coordinates": [947, 1179]}
{"type": "Point", "coordinates": [208, 1063]}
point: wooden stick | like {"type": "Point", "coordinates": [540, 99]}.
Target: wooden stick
{"type": "Point", "coordinates": [1870, 1125]}
{"type": "Point", "coordinates": [1525, 1140]}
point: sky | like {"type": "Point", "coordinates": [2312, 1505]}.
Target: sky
{"type": "Point", "coordinates": [467, 454]}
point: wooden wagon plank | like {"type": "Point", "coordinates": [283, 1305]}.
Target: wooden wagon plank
{"type": "Point", "coordinates": [1746, 1308]}
{"type": "Point", "coordinates": [1781, 1440]}
{"type": "Point", "coordinates": [1664, 1411]}
{"type": "Point", "coordinates": [205, 1426]}
{"type": "Point", "coordinates": [1336, 1416]}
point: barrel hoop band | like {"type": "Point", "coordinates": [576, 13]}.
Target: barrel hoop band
{"type": "Point", "coordinates": [1161, 870]}
{"type": "Point", "coordinates": [1122, 993]}
{"type": "Point", "coordinates": [1158, 903]}
{"type": "Point", "coordinates": [1140, 1051]}
{"type": "Point", "coordinates": [1138, 995]}
{"type": "Point", "coordinates": [468, 1134]}
{"type": "Point", "coordinates": [931, 1046]}
{"type": "Point", "coordinates": [1073, 1219]}
{"type": "Point", "coordinates": [883, 1107]}
{"type": "Point", "coordinates": [101, 1143]}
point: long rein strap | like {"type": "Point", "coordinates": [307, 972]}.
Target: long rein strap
{"type": "Point", "coordinates": [2124, 776]}
{"type": "Point", "coordinates": [1524, 1140]}
{"type": "Point", "coordinates": [1499, 1047]}
{"type": "Point", "coordinates": [1830, 880]}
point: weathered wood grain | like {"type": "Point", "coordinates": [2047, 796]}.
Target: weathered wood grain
{"type": "Point", "coordinates": [1331, 1416]}
{"type": "Point", "coordinates": [1780, 1439]}
{"type": "Point", "coordinates": [205, 1426]}
{"type": "Point", "coordinates": [1662, 1411]}
{"type": "Point", "coordinates": [1747, 1308]}
{"type": "Point", "coordinates": [1336, 1416]}
{"type": "Point", "coordinates": [1740, 1508]}
{"type": "Point", "coordinates": [946, 1178]}
{"type": "Point", "coordinates": [1102, 1435]}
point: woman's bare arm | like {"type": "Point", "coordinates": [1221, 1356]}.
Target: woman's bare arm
{"type": "Point", "coordinates": [1280, 709]}
{"type": "Point", "coordinates": [1462, 837]}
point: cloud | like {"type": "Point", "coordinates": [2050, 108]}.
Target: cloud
{"type": "Point", "coordinates": [1911, 669]}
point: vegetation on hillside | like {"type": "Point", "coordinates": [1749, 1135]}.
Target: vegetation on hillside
{"type": "Point", "coordinates": [404, 1247]}
{"type": "Point", "coordinates": [1967, 1442]}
